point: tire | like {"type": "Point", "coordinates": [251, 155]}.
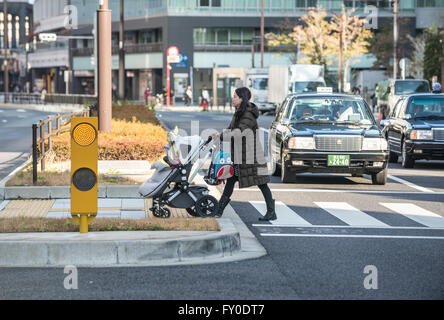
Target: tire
{"type": "Point", "coordinates": [407, 160]}
{"type": "Point", "coordinates": [277, 167]}
{"type": "Point", "coordinates": [285, 175]}
{"type": "Point", "coordinates": [380, 178]}
{"type": "Point", "coordinates": [393, 157]}
{"type": "Point", "coordinates": [192, 212]}
{"type": "Point", "coordinates": [162, 213]}
{"type": "Point", "coordinates": [206, 206]}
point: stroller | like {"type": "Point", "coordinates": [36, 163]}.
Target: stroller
{"type": "Point", "coordinates": [171, 184]}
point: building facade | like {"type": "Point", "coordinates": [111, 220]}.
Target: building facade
{"type": "Point", "coordinates": [208, 34]}
{"type": "Point", "coordinates": [19, 25]}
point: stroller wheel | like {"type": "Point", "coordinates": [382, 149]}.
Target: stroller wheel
{"type": "Point", "coordinates": [206, 206]}
{"type": "Point", "coordinates": [192, 212]}
{"type": "Point", "coordinates": [162, 213]}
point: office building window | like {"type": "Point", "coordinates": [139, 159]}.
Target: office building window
{"type": "Point", "coordinates": [208, 3]}
{"type": "Point", "coordinates": [306, 3]}
{"type": "Point", "coordinates": [146, 37]}
{"type": "Point", "coordinates": [425, 3]}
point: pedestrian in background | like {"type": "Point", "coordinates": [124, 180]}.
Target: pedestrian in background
{"type": "Point", "coordinates": [246, 173]}
{"type": "Point", "coordinates": [188, 96]}
{"type": "Point", "coordinates": [146, 94]}
{"type": "Point", "coordinates": [205, 98]}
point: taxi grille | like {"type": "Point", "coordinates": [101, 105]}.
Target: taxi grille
{"type": "Point", "coordinates": [438, 134]}
{"type": "Point", "coordinates": [338, 143]}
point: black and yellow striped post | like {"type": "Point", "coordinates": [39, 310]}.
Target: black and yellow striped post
{"type": "Point", "coordinates": [84, 177]}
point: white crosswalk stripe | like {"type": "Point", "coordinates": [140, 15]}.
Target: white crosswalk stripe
{"type": "Point", "coordinates": [285, 216]}
{"type": "Point", "coordinates": [417, 214]}
{"type": "Point", "coordinates": [350, 215]}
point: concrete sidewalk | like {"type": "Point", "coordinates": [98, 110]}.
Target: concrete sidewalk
{"type": "Point", "coordinates": [234, 242]}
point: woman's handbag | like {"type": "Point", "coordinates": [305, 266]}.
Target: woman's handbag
{"type": "Point", "coordinates": [220, 168]}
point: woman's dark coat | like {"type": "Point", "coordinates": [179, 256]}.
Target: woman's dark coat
{"type": "Point", "coordinates": [250, 172]}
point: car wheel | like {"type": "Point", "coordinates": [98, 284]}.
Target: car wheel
{"type": "Point", "coordinates": [407, 160]}
{"type": "Point", "coordinates": [285, 174]}
{"type": "Point", "coordinates": [393, 157]}
{"type": "Point", "coordinates": [380, 177]}
{"type": "Point", "coordinates": [277, 167]}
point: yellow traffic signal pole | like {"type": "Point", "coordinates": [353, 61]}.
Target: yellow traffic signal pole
{"type": "Point", "coordinates": [84, 177]}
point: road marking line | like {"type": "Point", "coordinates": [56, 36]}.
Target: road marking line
{"type": "Point", "coordinates": [342, 191]}
{"type": "Point", "coordinates": [349, 236]}
{"type": "Point", "coordinates": [407, 183]}
{"type": "Point", "coordinates": [349, 214]}
{"type": "Point", "coordinates": [339, 227]}
{"type": "Point", "coordinates": [284, 214]}
{"type": "Point", "coordinates": [417, 214]}
{"type": "Point", "coordinates": [21, 110]}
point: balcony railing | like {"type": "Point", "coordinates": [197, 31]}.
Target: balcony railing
{"type": "Point", "coordinates": [129, 48]}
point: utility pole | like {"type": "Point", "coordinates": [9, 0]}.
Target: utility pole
{"type": "Point", "coordinates": [442, 58]}
{"type": "Point", "coordinates": [262, 33]}
{"type": "Point", "coordinates": [252, 52]}
{"type": "Point", "coordinates": [5, 60]}
{"type": "Point", "coordinates": [341, 48]}
{"type": "Point", "coordinates": [121, 53]}
{"type": "Point", "coordinates": [395, 39]}
{"type": "Point", "coordinates": [104, 66]}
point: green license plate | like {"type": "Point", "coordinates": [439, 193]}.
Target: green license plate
{"type": "Point", "coordinates": [340, 160]}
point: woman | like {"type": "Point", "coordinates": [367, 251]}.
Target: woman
{"type": "Point", "coordinates": [246, 172]}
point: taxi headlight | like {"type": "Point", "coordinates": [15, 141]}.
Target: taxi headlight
{"type": "Point", "coordinates": [378, 144]}
{"type": "Point", "coordinates": [301, 143]}
{"type": "Point", "coordinates": [421, 135]}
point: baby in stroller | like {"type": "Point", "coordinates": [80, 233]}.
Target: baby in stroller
{"type": "Point", "coordinates": [171, 183]}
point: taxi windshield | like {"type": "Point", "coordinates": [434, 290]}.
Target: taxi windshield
{"type": "Point", "coordinates": [412, 86]}
{"type": "Point", "coordinates": [330, 110]}
{"type": "Point", "coordinates": [426, 107]}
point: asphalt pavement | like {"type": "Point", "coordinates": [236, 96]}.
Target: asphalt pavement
{"type": "Point", "coordinates": [16, 136]}
{"type": "Point", "coordinates": [336, 237]}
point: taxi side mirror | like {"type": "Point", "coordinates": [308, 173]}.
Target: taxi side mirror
{"type": "Point", "coordinates": [407, 116]}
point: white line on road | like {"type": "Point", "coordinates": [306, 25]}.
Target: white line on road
{"type": "Point", "coordinates": [417, 214]}
{"type": "Point", "coordinates": [348, 236]}
{"type": "Point", "coordinates": [343, 191]}
{"type": "Point", "coordinates": [407, 183]}
{"type": "Point", "coordinates": [21, 110]}
{"type": "Point", "coordinates": [350, 215]}
{"type": "Point", "coordinates": [284, 214]}
{"type": "Point", "coordinates": [341, 227]}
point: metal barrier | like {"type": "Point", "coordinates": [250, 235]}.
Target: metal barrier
{"type": "Point", "coordinates": [40, 135]}
{"type": "Point", "coordinates": [36, 98]}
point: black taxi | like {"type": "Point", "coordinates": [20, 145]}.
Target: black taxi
{"type": "Point", "coordinates": [415, 129]}
{"type": "Point", "coordinates": [327, 133]}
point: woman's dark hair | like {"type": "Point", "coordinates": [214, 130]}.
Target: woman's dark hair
{"type": "Point", "coordinates": [245, 94]}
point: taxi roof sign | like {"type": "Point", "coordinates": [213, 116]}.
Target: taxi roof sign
{"type": "Point", "coordinates": [324, 90]}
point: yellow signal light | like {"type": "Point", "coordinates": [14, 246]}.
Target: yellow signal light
{"type": "Point", "coordinates": [84, 134]}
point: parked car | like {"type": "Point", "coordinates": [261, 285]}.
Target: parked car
{"type": "Point", "coordinates": [328, 133]}
{"type": "Point", "coordinates": [415, 129]}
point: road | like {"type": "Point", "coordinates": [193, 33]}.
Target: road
{"type": "Point", "coordinates": [16, 136]}
{"type": "Point", "coordinates": [336, 237]}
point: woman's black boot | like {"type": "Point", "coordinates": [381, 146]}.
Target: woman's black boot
{"type": "Point", "coordinates": [271, 213]}
{"type": "Point", "coordinates": [224, 200]}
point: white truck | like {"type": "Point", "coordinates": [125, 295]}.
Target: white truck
{"type": "Point", "coordinates": [297, 78]}
{"type": "Point", "coordinates": [257, 82]}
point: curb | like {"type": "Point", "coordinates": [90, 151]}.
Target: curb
{"type": "Point", "coordinates": [63, 192]}
{"type": "Point", "coordinates": [120, 248]}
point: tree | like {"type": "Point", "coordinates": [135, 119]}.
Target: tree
{"type": "Point", "coordinates": [321, 39]}
{"type": "Point", "coordinates": [417, 65]}
{"type": "Point", "coordinates": [352, 38]}
{"type": "Point", "coordinates": [433, 54]}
